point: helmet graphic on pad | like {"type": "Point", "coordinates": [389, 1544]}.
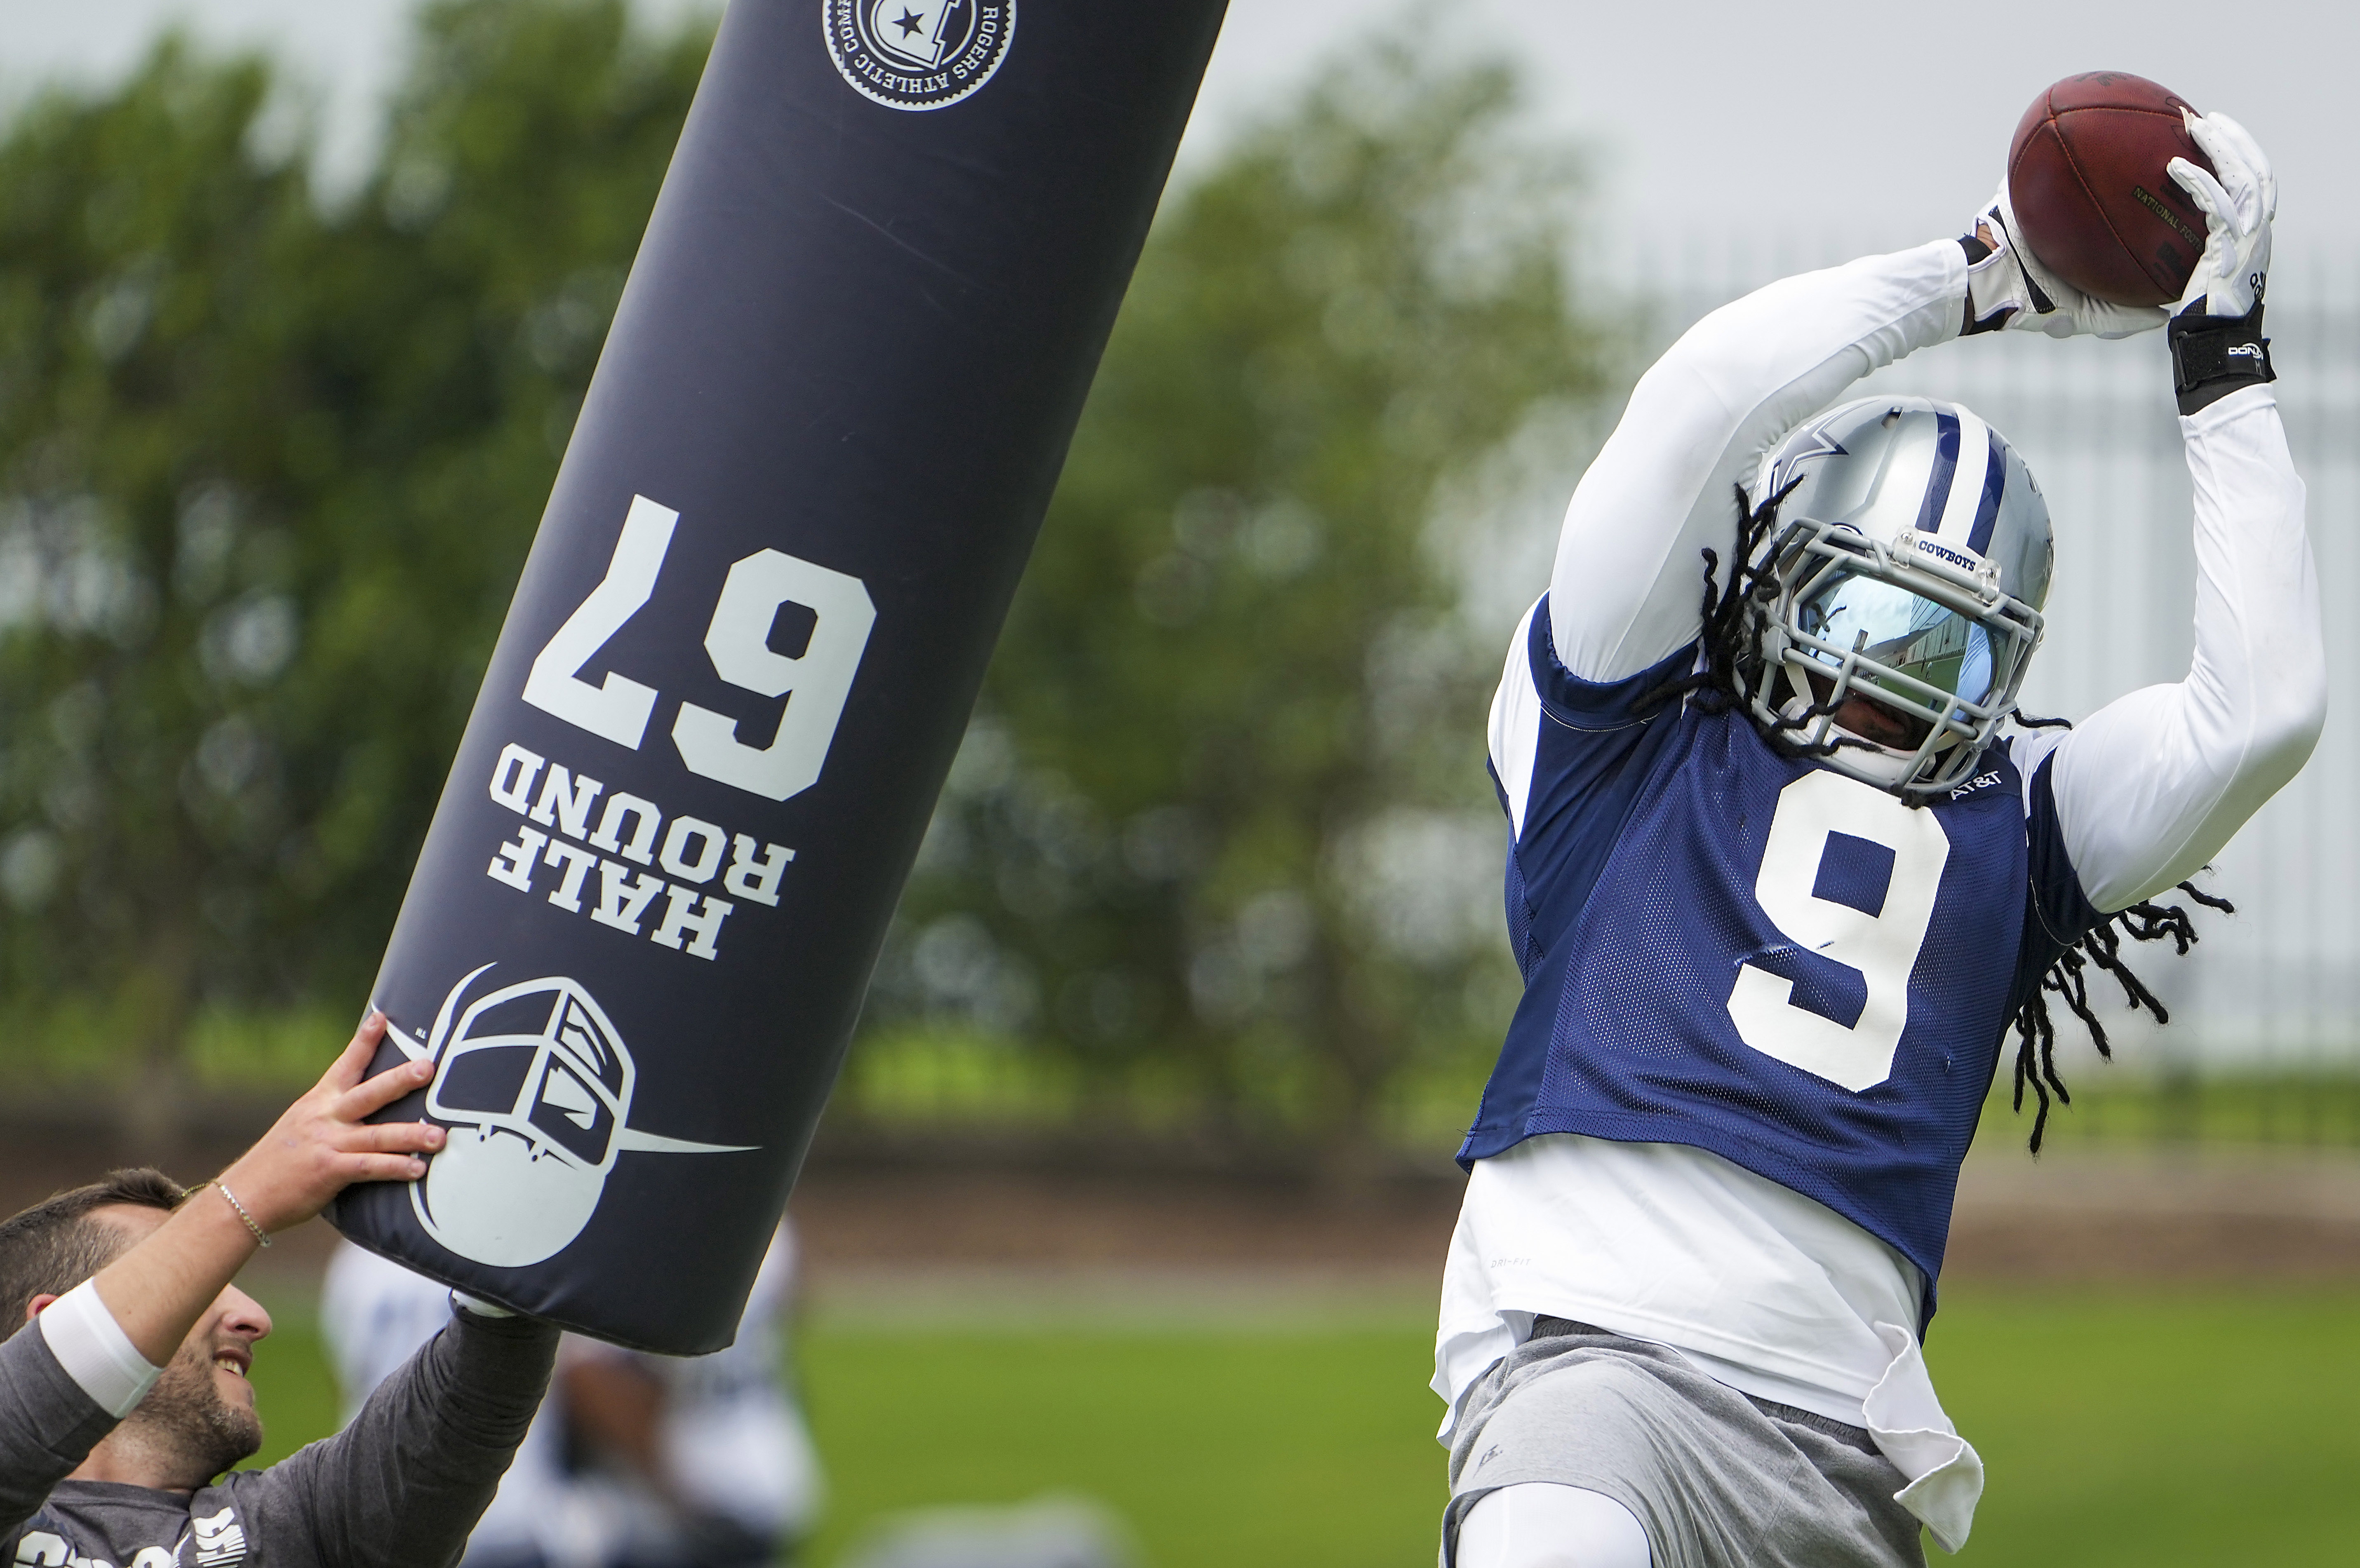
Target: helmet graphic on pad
{"type": "Point", "coordinates": [534, 1083]}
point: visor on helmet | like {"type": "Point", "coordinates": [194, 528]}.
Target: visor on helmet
{"type": "Point", "coordinates": [1927, 637]}
{"type": "Point", "coordinates": [1931, 645]}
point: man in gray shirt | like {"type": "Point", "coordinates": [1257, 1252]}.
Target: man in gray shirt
{"type": "Point", "coordinates": [124, 1395]}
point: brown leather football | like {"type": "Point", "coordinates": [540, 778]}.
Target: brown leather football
{"type": "Point", "coordinates": [2087, 176]}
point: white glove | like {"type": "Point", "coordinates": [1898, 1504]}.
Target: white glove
{"type": "Point", "coordinates": [2239, 207]}
{"type": "Point", "coordinates": [2012, 280]}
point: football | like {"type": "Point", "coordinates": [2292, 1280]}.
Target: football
{"type": "Point", "coordinates": [2087, 177]}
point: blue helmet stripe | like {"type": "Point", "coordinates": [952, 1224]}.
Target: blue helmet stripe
{"type": "Point", "coordinates": [1987, 514]}
{"type": "Point", "coordinates": [1946, 469]}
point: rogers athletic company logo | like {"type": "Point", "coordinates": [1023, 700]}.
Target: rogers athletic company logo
{"type": "Point", "coordinates": [918, 54]}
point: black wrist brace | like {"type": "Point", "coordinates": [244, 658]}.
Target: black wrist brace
{"type": "Point", "coordinates": [2212, 357]}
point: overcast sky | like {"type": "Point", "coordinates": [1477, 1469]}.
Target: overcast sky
{"type": "Point", "coordinates": [1882, 122]}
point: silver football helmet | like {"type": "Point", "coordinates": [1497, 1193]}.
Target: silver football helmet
{"type": "Point", "coordinates": [1909, 561]}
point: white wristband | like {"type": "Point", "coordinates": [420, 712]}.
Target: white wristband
{"type": "Point", "coordinates": [96, 1352]}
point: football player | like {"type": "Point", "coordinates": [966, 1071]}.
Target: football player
{"type": "Point", "coordinates": [1783, 875]}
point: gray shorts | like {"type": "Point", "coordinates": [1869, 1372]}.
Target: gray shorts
{"type": "Point", "coordinates": [1719, 1480]}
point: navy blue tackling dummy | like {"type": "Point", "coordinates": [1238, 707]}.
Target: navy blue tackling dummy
{"type": "Point", "coordinates": [1784, 874]}
{"type": "Point", "coordinates": [823, 432]}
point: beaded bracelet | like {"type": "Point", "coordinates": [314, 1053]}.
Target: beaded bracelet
{"type": "Point", "coordinates": [233, 1203]}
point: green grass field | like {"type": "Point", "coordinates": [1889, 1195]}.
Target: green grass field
{"type": "Point", "coordinates": [2129, 1427]}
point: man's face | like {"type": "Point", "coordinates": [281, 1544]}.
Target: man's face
{"type": "Point", "coordinates": [202, 1406]}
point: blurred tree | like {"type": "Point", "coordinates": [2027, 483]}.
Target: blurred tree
{"type": "Point", "coordinates": [156, 434]}
{"type": "Point", "coordinates": [267, 476]}
{"type": "Point", "coordinates": [1225, 788]}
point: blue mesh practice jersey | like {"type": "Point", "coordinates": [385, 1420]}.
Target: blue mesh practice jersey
{"type": "Point", "coordinates": [1756, 956]}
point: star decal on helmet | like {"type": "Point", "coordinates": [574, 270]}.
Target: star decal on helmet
{"type": "Point", "coordinates": [1811, 444]}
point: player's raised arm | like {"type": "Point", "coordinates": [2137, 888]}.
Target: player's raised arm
{"type": "Point", "coordinates": [2152, 785]}
{"type": "Point", "coordinates": [1629, 575]}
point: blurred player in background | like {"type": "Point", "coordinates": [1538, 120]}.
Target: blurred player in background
{"type": "Point", "coordinates": [1779, 885]}
{"type": "Point", "coordinates": [707, 1458]}
{"type": "Point", "coordinates": [638, 1460]}
{"type": "Point", "coordinates": [373, 1314]}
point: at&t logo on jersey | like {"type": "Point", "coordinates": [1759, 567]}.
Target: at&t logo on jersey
{"type": "Point", "coordinates": [918, 54]}
{"type": "Point", "coordinates": [1979, 782]}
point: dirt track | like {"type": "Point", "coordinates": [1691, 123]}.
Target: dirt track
{"type": "Point", "coordinates": [2065, 1218]}
{"type": "Point", "coordinates": [871, 1226]}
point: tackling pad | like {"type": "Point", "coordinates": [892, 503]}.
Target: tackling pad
{"type": "Point", "coordinates": [828, 420]}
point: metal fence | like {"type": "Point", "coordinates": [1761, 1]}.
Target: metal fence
{"type": "Point", "coordinates": [2271, 992]}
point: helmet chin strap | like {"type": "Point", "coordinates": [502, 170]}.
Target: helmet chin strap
{"type": "Point", "coordinates": [1886, 765]}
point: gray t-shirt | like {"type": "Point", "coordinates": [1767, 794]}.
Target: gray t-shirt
{"type": "Point", "coordinates": [399, 1488]}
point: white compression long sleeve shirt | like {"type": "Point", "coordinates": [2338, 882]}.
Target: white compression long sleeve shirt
{"type": "Point", "coordinates": [1630, 575]}
{"type": "Point", "coordinates": [2149, 786]}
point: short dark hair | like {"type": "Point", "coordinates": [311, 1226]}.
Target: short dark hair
{"type": "Point", "coordinates": [50, 1248]}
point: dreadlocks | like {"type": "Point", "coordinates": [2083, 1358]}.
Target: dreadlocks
{"type": "Point", "coordinates": [2102, 944]}
{"type": "Point", "coordinates": [1732, 659]}
{"type": "Point", "coordinates": [1731, 665]}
